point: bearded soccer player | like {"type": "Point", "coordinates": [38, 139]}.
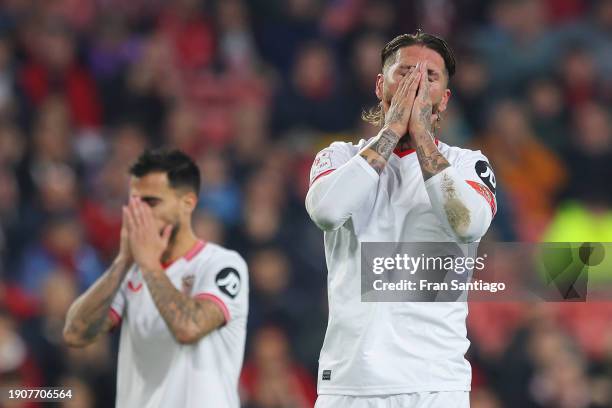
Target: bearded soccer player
{"type": "Point", "coordinates": [402, 185]}
{"type": "Point", "coordinates": [182, 303]}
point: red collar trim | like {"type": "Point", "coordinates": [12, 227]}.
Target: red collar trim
{"type": "Point", "coordinates": [401, 153]}
{"type": "Point", "coordinates": [195, 249]}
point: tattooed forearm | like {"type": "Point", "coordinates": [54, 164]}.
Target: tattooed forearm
{"type": "Point", "coordinates": [88, 316]}
{"type": "Point", "coordinates": [188, 319]}
{"type": "Point", "coordinates": [425, 112]}
{"type": "Point", "coordinates": [431, 160]}
{"type": "Point", "coordinates": [378, 151]}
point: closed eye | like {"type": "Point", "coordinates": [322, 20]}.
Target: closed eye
{"type": "Point", "coordinates": [151, 201]}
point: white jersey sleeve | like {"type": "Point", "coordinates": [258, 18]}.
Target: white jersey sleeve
{"type": "Point", "coordinates": [225, 284]}
{"type": "Point", "coordinates": [463, 196]}
{"type": "Point", "coordinates": [341, 183]}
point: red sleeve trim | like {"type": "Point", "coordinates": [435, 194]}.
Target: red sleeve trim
{"type": "Point", "coordinates": [486, 193]}
{"type": "Point", "coordinates": [115, 316]}
{"type": "Point", "coordinates": [325, 173]}
{"type": "Point", "coordinates": [217, 301]}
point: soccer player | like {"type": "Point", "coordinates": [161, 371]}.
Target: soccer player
{"type": "Point", "coordinates": [403, 185]}
{"type": "Point", "coordinates": [181, 302]}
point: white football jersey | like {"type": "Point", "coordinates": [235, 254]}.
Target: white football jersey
{"type": "Point", "coordinates": [391, 348]}
{"type": "Point", "coordinates": [154, 370]}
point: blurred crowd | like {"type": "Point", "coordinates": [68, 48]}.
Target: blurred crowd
{"type": "Point", "coordinates": [252, 89]}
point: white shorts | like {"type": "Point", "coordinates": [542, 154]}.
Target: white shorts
{"type": "Point", "coordinates": [438, 399]}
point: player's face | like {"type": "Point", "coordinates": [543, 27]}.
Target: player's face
{"type": "Point", "coordinates": [405, 60]}
{"type": "Point", "coordinates": [167, 204]}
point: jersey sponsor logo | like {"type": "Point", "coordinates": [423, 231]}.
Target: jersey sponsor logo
{"type": "Point", "coordinates": [486, 193]}
{"type": "Point", "coordinates": [228, 282]}
{"type": "Point", "coordinates": [322, 164]}
{"type": "Point", "coordinates": [326, 375]}
{"type": "Point", "coordinates": [134, 287]}
{"type": "Point", "coordinates": [485, 172]}
{"type": "Point", "coordinates": [135, 282]}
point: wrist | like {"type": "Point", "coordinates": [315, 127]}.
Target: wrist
{"type": "Point", "coordinates": [151, 267]}
{"type": "Point", "coordinates": [122, 262]}
{"type": "Point", "coordinates": [422, 135]}
{"type": "Point", "coordinates": [398, 131]}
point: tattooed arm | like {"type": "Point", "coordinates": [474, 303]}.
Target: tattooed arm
{"type": "Point", "coordinates": [187, 318]}
{"type": "Point", "coordinates": [378, 151]}
{"type": "Point", "coordinates": [431, 160]}
{"type": "Point", "coordinates": [89, 316]}
{"type": "Point", "coordinates": [421, 130]}
{"type": "Point", "coordinates": [458, 203]}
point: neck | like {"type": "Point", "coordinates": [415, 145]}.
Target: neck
{"type": "Point", "coordinates": [185, 240]}
{"type": "Point", "coordinates": [405, 143]}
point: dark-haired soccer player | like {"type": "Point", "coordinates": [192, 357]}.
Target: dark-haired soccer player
{"type": "Point", "coordinates": [182, 303]}
{"type": "Point", "coordinates": [403, 185]}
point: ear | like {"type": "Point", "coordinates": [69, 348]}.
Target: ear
{"type": "Point", "coordinates": [380, 79]}
{"type": "Point", "coordinates": [444, 101]}
{"type": "Point", "coordinates": [189, 201]}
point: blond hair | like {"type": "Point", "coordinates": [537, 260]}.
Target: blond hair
{"type": "Point", "coordinates": [375, 116]}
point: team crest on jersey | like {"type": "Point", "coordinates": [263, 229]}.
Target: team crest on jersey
{"type": "Point", "coordinates": [485, 172]}
{"type": "Point", "coordinates": [187, 284]}
{"type": "Point", "coordinates": [322, 164]}
{"type": "Point", "coordinates": [228, 282]}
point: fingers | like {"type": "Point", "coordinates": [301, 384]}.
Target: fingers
{"type": "Point", "coordinates": [139, 217]}
{"type": "Point", "coordinates": [407, 81]}
{"type": "Point", "coordinates": [414, 86]}
{"type": "Point", "coordinates": [128, 220]}
{"type": "Point", "coordinates": [141, 213]}
{"type": "Point", "coordinates": [123, 217]}
{"type": "Point", "coordinates": [423, 91]}
{"type": "Point", "coordinates": [147, 214]}
{"type": "Point", "coordinates": [134, 213]}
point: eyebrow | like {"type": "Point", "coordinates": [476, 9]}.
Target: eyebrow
{"type": "Point", "coordinates": [429, 71]}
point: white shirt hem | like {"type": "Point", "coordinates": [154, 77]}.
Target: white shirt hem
{"type": "Point", "coordinates": [392, 389]}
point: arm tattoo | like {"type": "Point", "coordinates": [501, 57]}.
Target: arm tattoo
{"type": "Point", "coordinates": [187, 318]}
{"type": "Point", "coordinates": [425, 113]}
{"type": "Point", "coordinates": [88, 316]}
{"type": "Point", "coordinates": [378, 151]}
{"type": "Point", "coordinates": [457, 213]}
{"type": "Point", "coordinates": [395, 115]}
{"type": "Point", "coordinates": [431, 160]}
